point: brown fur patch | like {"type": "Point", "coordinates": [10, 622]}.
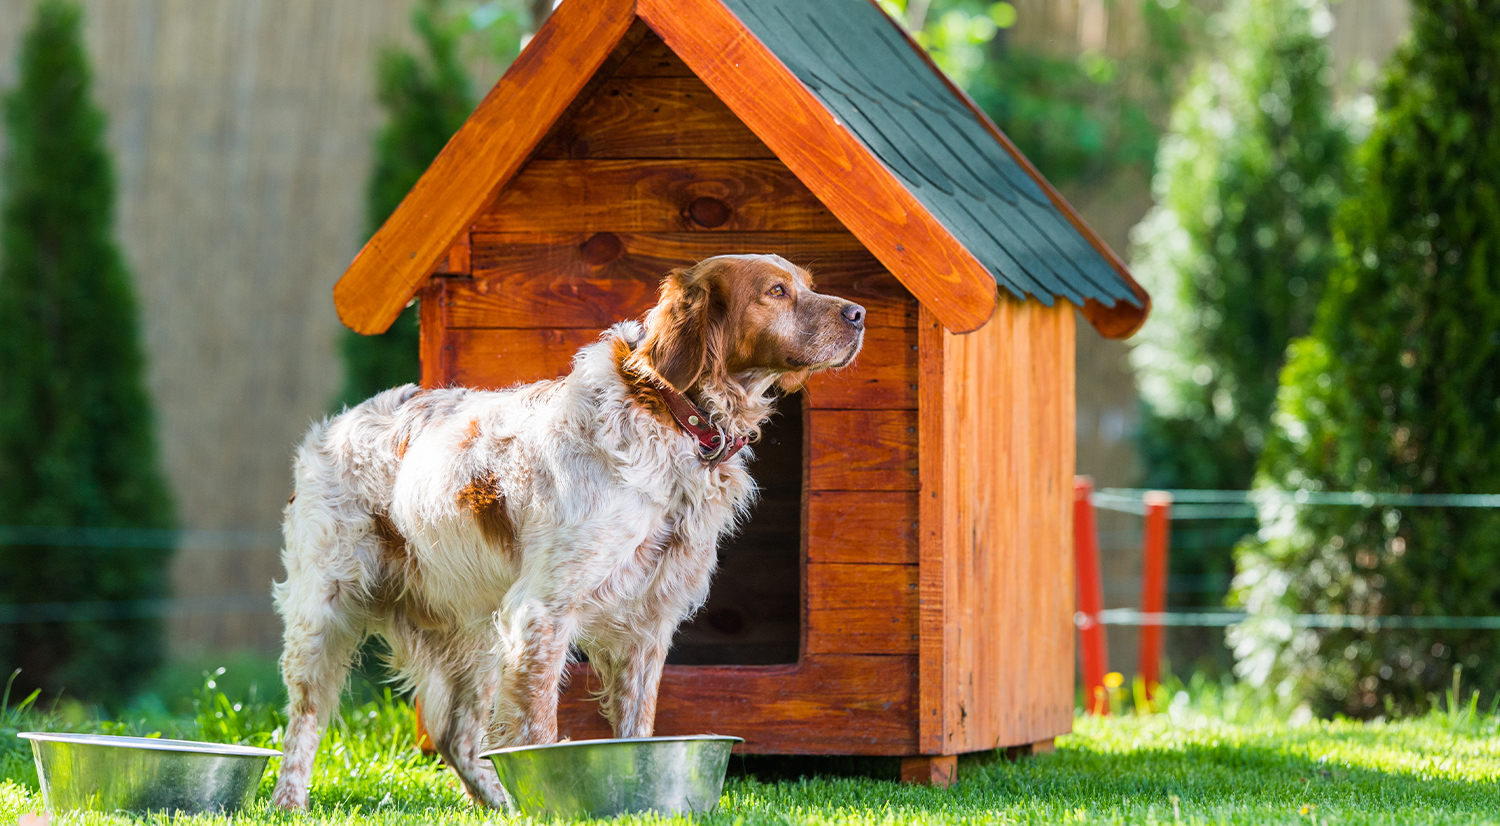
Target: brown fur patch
{"type": "Point", "coordinates": [394, 596]}
{"type": "Point", "coordinates": [482, 497]}
{"type": "Point", "coordinates": [470, 436]}
{"type": "Point", "coordinates": [403, 445]}
{"type": "Point", "coordinates": [392, 543]}
{"type": "Point", "coordinates": [641, 389]}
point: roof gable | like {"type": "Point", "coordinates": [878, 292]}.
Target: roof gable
{"type": "Point", "coordinates": [899, 156]}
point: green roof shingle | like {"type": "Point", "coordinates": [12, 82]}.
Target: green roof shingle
{"type": "Point", "coordinates": [865, 71]}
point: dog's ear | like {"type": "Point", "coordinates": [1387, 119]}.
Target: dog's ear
{"type": "Point", "coordinates": [677, 329]}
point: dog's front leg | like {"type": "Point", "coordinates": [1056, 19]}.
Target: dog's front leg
{"type": "Point", "coordinates": [536, 651]}
{"type": "Point", "coordinates": [632, 677]}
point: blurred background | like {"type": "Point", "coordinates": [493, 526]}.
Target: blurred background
{"type": "Point", "coordinates": [253, 145]}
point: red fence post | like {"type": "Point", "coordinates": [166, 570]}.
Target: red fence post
{"type": "Point", "coordinates": [1093, 645]}
{"type": "Point", "coordinates": [1154, 585]}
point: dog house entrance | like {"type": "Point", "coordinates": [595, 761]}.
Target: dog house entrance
{"type": "Point", "coordinates": [754, 606]}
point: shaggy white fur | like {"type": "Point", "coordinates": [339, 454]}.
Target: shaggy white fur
{"type": "Point", "coordinates": [484, 533]}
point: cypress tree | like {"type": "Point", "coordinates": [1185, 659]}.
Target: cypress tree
{"type": "Point", "coordinates": [76, 438]}
{"type": "Point", "coordinates": [426, 99]}
{"type": "Point", "coordinates": [1397, 389]}
{"type": "Point", "coordinates": [1236, 250]}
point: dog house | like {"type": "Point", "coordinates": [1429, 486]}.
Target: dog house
{"type": "Point", "coordinates": [905, 586]}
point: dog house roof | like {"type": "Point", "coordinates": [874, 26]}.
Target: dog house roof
{"type": "Point", "coordinates": [852, 106]}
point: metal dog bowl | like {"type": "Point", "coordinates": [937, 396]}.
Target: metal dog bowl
{"type": "Point", "coordinates": [601, 778]}
{"type": "Point", "coordinates": [105, 773]}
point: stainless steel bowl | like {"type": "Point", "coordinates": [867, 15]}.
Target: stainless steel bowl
{"type": "Point", "coordinates": [105, 773]}
{"type": "Point", "coordinates": [601, 778]}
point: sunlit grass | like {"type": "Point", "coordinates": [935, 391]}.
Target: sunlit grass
{"type": "Point", "coordinates": [1211, 759]}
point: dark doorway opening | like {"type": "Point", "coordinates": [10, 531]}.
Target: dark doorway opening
{"type": "Point", "coordinates": [753, 615]}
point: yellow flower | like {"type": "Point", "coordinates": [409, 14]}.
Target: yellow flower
{"type": "Point", "coordinates": [1114, 679]}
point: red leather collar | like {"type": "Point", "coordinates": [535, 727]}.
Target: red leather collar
{"type": "Point", "coordinates": [714, 447]}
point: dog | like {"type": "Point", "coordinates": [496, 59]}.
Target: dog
{"type": "Point", "coordinates": [485, 534]}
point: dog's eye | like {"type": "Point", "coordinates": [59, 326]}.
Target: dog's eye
{"type": "Point", "coordinates": [777, 291]}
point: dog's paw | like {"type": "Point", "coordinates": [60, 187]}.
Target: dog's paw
{"type": "Point", "coordinates": [291, 800]}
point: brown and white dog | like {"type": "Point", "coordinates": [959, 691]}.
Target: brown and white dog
{"type": "Point", "coordinates": [484, 533]}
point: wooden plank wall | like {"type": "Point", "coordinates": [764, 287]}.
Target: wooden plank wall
{"type": "Point", "coordinates": [649, 173]}
{"type": "Point", "coordinates": [996, 563]}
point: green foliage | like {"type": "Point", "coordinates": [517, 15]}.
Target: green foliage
{"type": "Point", "coordinates": [1396, 390]}
{"type": "Point", "coordinates": [76, 440]}
{"type": "Point", "coordinates": [1079, 119]}
{"type": "Point", "coordinates": [426, 99]}
{"type": "Point", "coordinates": [1074, 119]}
{"type": "Point", "coordinates": [1239, 245]}
{"type": "Point", "coordinates": [1237, 249]}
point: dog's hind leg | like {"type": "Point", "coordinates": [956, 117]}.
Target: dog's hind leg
{"type": "Point", "coordinates": [314, 665]}
{"type": "Point", "coordinates": [325, 621]}
{"type": "Point", "coordinates": [457, 692]}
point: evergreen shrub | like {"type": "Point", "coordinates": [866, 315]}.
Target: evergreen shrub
{"type": "Point", "coordinates": [1235, 254]}
{"type": "Point", "coordinates": [77, 446]}
{"type": "Point", "coordinates": [1240, 242]}
{"type": "Point", "coordinates": [426, 98]}
{"type": "Point", "coordinates": [1397, 389]}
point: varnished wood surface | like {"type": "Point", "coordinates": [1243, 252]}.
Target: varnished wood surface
{"type": "Point", "coordinates": [654, 196]}
{"type": "Point", "coordinates": [435, 349]}
{"type": "Point", "coordinates": [862, 527]}
{"type": "Point", "coordinates": [883, 375]}
{"type": "Point", "coordinates": [456, 262]}
{"type": "Point", "coordinates": [517, 113]}
{"type": "Point", "coordinates": [531, 279]}
{"type": "Point", "coordinates": [932, 615]}
{"type": "Point", "coordinates": [858, 189]}
{"type": "Point", "coordinates": [861, 609]}
{"type": "Point", "coordinates": [652, 58]}
{"type": "Point", "coordinates": [495, 359]}
{"type": "Point", "coordinates": [872, 450]}
{"type": "Point", "coordinates": [997, 602]}
{"type": "Point", "coordinates": [930, 770]}
{"type": "Point", "coordinates": [653, 117]}
{"type": "Point", "coordinates": [826, 704]}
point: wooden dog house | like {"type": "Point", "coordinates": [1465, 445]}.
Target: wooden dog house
{"type": "Point", "coordinates": [906, 585]}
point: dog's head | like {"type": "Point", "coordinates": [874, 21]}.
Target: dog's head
{"type": "Point", "coordinates": [748, 317]}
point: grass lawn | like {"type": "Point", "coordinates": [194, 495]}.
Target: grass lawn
{"type": "Point", "coordinates": [1199, 763]}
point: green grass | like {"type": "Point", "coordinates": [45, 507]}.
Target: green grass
{"type": "Point", "coordinates": [1207, 760]}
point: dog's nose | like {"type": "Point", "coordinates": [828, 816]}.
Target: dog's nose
{"type": "Point", "coordinates": [854, 314]}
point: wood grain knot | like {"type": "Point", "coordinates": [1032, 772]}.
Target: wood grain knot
{"type": "Point", "coordinates": [710, 213]}
{"type": "Point", "coordinates": [603, 248]}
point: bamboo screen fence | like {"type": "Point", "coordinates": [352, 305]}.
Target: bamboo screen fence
{"type": "Point", "coordinates": [241, 133]}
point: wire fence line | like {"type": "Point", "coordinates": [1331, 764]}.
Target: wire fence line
{"type": "Point", "coordinates": [125, 539]}
{"type": "Point", "coordinates": [1245, 504]}
{"type": "Point", "coordinates": [1186, 505]}
{"type": "Point", "coordinates": [163, 608]}
{"type": "Point", "coordinates": [180, 538]}
{"type": "Point", "coordinates": [1206, 618]}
